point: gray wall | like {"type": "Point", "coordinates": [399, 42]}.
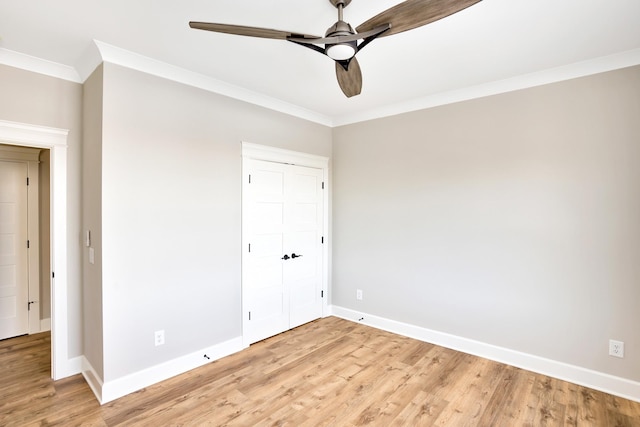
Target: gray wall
{"type": "Point", "coordinates": [92, 219]}
{"type": "Point", "coordinates": [511, 220]}
{"type": "Point", "coordinates": [44, 188]}
{"type": "Point", "coordinates": [171, 210]}
{"type": "Point", "coordinates": [36, 99]}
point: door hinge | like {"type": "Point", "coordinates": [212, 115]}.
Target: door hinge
{"type": "Point", "coordinates": [249, 247]}
{"type": "Point", "coordinates": [53, 274]}
{"type": "Point", "coordinates": [321, 294]}
{"type": "Point", "coordinates": [249, 315]}
{"type": "Point", "coordinates": [27, 180]}
{"type": "Point", "coordinates": [323, 185]}
{"type": "Point", "coordinates": [249, 178]}
{"type": "Point", "coordinates": [28, 244]}
{"type": "Point", "coordinates": [322, 240]}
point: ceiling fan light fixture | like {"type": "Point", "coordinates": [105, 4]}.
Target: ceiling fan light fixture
{"type": "Point", "coordinates": [341, 51]}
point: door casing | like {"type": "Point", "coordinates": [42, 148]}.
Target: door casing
{"type": "Point", "coordinates": [55, 139]}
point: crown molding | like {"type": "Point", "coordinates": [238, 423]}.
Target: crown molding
{"type": "Point", "coordinates": [125, 58]}
{"type": "Point", "coordinates": [579, 69]}
{"type": "Point", "coordinates": [90, 59]}
{"type": "Point", "coordinates": [99, 52]}
{"type": "Point", "coordinates": [38, 65]}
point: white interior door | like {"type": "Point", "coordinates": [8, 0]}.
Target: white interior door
{"type": "Point", "coordinates": [282, 266]}
{"type": "Point", "coordinates": [265, 301]}
{"type": "Point", "coordinates": [14, 290]}
{"type": "Point", "coordinates": [303, 240]}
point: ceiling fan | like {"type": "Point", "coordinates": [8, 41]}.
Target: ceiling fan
{"type": "Point", "coordinates": [340, 42]}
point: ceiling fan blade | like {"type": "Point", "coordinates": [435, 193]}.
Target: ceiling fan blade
{"type": "Point", "coordinates": [350, 80]}
{"type": "Point", "coordinates": [241, 30]}
{"type": "Point", "coordinates": [412, 14]}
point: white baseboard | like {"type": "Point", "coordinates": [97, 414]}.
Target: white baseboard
{"type": "Point", "coordinates": [92, 378]}
{"type": "Point", "coordinates": [45, 325]}
{"type": "Point", "coordinates": [111, 390]}
{"type": "Point", "coordinates": [607, 383]}
{"type": "Point", "coordinates": [69, 367]}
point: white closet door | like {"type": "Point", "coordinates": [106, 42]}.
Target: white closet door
{"type": "Point", "coordinates": [282, 271]}
{"type": "Point", "coordinates": [14, 288]}
{"type": "Point", "coordinates": [303, 272]}
{"type": "Point", "coordinates": [265, 301]}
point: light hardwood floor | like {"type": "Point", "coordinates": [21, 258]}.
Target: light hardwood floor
{"type": "Point", "coordinates": [330, 372]}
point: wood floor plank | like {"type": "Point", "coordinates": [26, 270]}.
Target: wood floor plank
{"type": "Point", "coordinates": [503, 409]}
{"type": "Point", "coordinates": [330, 372]}
{"type": "Point", "coordinates": [472, 394]}
{"type": "Point", "coordinates": [623, 406]}
{"type": "Point", "coordinates": [422, 410]}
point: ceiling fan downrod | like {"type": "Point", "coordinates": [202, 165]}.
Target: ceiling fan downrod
{"type": "Point", "coordinates": [340, 3]}
{"type": "Point", "coordinates": [342, 51]}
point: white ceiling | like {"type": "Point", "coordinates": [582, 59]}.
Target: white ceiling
{"type": "Point", "coordinates": [492, 46]}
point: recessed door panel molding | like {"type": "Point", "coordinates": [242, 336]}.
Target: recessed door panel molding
{"type": "Point", "coordinates": [283, 195]}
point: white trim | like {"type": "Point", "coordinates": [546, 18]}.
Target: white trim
{"type": "Point", "coordinates": [100, 51]}
{"type": "Point", "coordinates": [111, 390]}
{"type": "Point", "coordinates": [45, 324]}
{"type": "Point", "coordinates": [38, 65]}
{"type": "Point", "coordinates": [125, 58]}
{"type": "Point", "coordinates": [279, 155]}
{"type": "Point", "coordinates": [607, 383]}
{"type": "Point", "coordinates": [552, 75]}
{"type": "Point", "coordinates": [92, 378]}
{"type": "Point", "coordinates": [89, 61]}
{"type": "Point", "coordinates": [73, 366]}
{"type": "Point", "coordinates": [55, 140]}
{"type": "Point", "coordinates": [32, 135]}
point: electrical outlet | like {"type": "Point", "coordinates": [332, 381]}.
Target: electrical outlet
{"type": "Point", "coordinates": [616, 348]}
{"type": "Point", "coordinates": [359, 294]}
{"type": "Point", "coordinates": [159, 338]}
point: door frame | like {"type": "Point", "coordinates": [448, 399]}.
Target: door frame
{"type": "Point", "coordinates": [54, 139]}
{"type": "Point", "coordinates": [279, 155]}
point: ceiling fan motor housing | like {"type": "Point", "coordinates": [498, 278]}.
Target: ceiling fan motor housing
{"type": "Point", "coordinates": [340, 28]}
{"type": "Point", "coordinates": [341, 51]}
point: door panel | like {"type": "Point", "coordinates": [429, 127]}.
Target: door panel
{"type": "Point", "coordinates": [14, 291]}
{"type": "Point", "coordinates": [304, 235]}
{"type": "Point", "coordinates": [265, 300]}
{"type": "Point", "coordinates": [283, 214]}
{"type": "Point", "coordinates": [266, 251]}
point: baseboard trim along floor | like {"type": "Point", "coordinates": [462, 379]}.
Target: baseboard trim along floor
{"type": "Point", "coordinates": [575, 374]}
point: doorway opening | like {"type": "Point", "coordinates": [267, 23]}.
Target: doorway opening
{"type": "Point", "coordinates": [54, 140]}
{"type": "Point", "coordinates": [25, 268]}
{"type": "Point", "coordinates": [284, 239]}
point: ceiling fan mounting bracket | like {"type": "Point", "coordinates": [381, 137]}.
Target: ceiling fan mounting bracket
{"type": "Point", "coordinates": [345, 3]}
